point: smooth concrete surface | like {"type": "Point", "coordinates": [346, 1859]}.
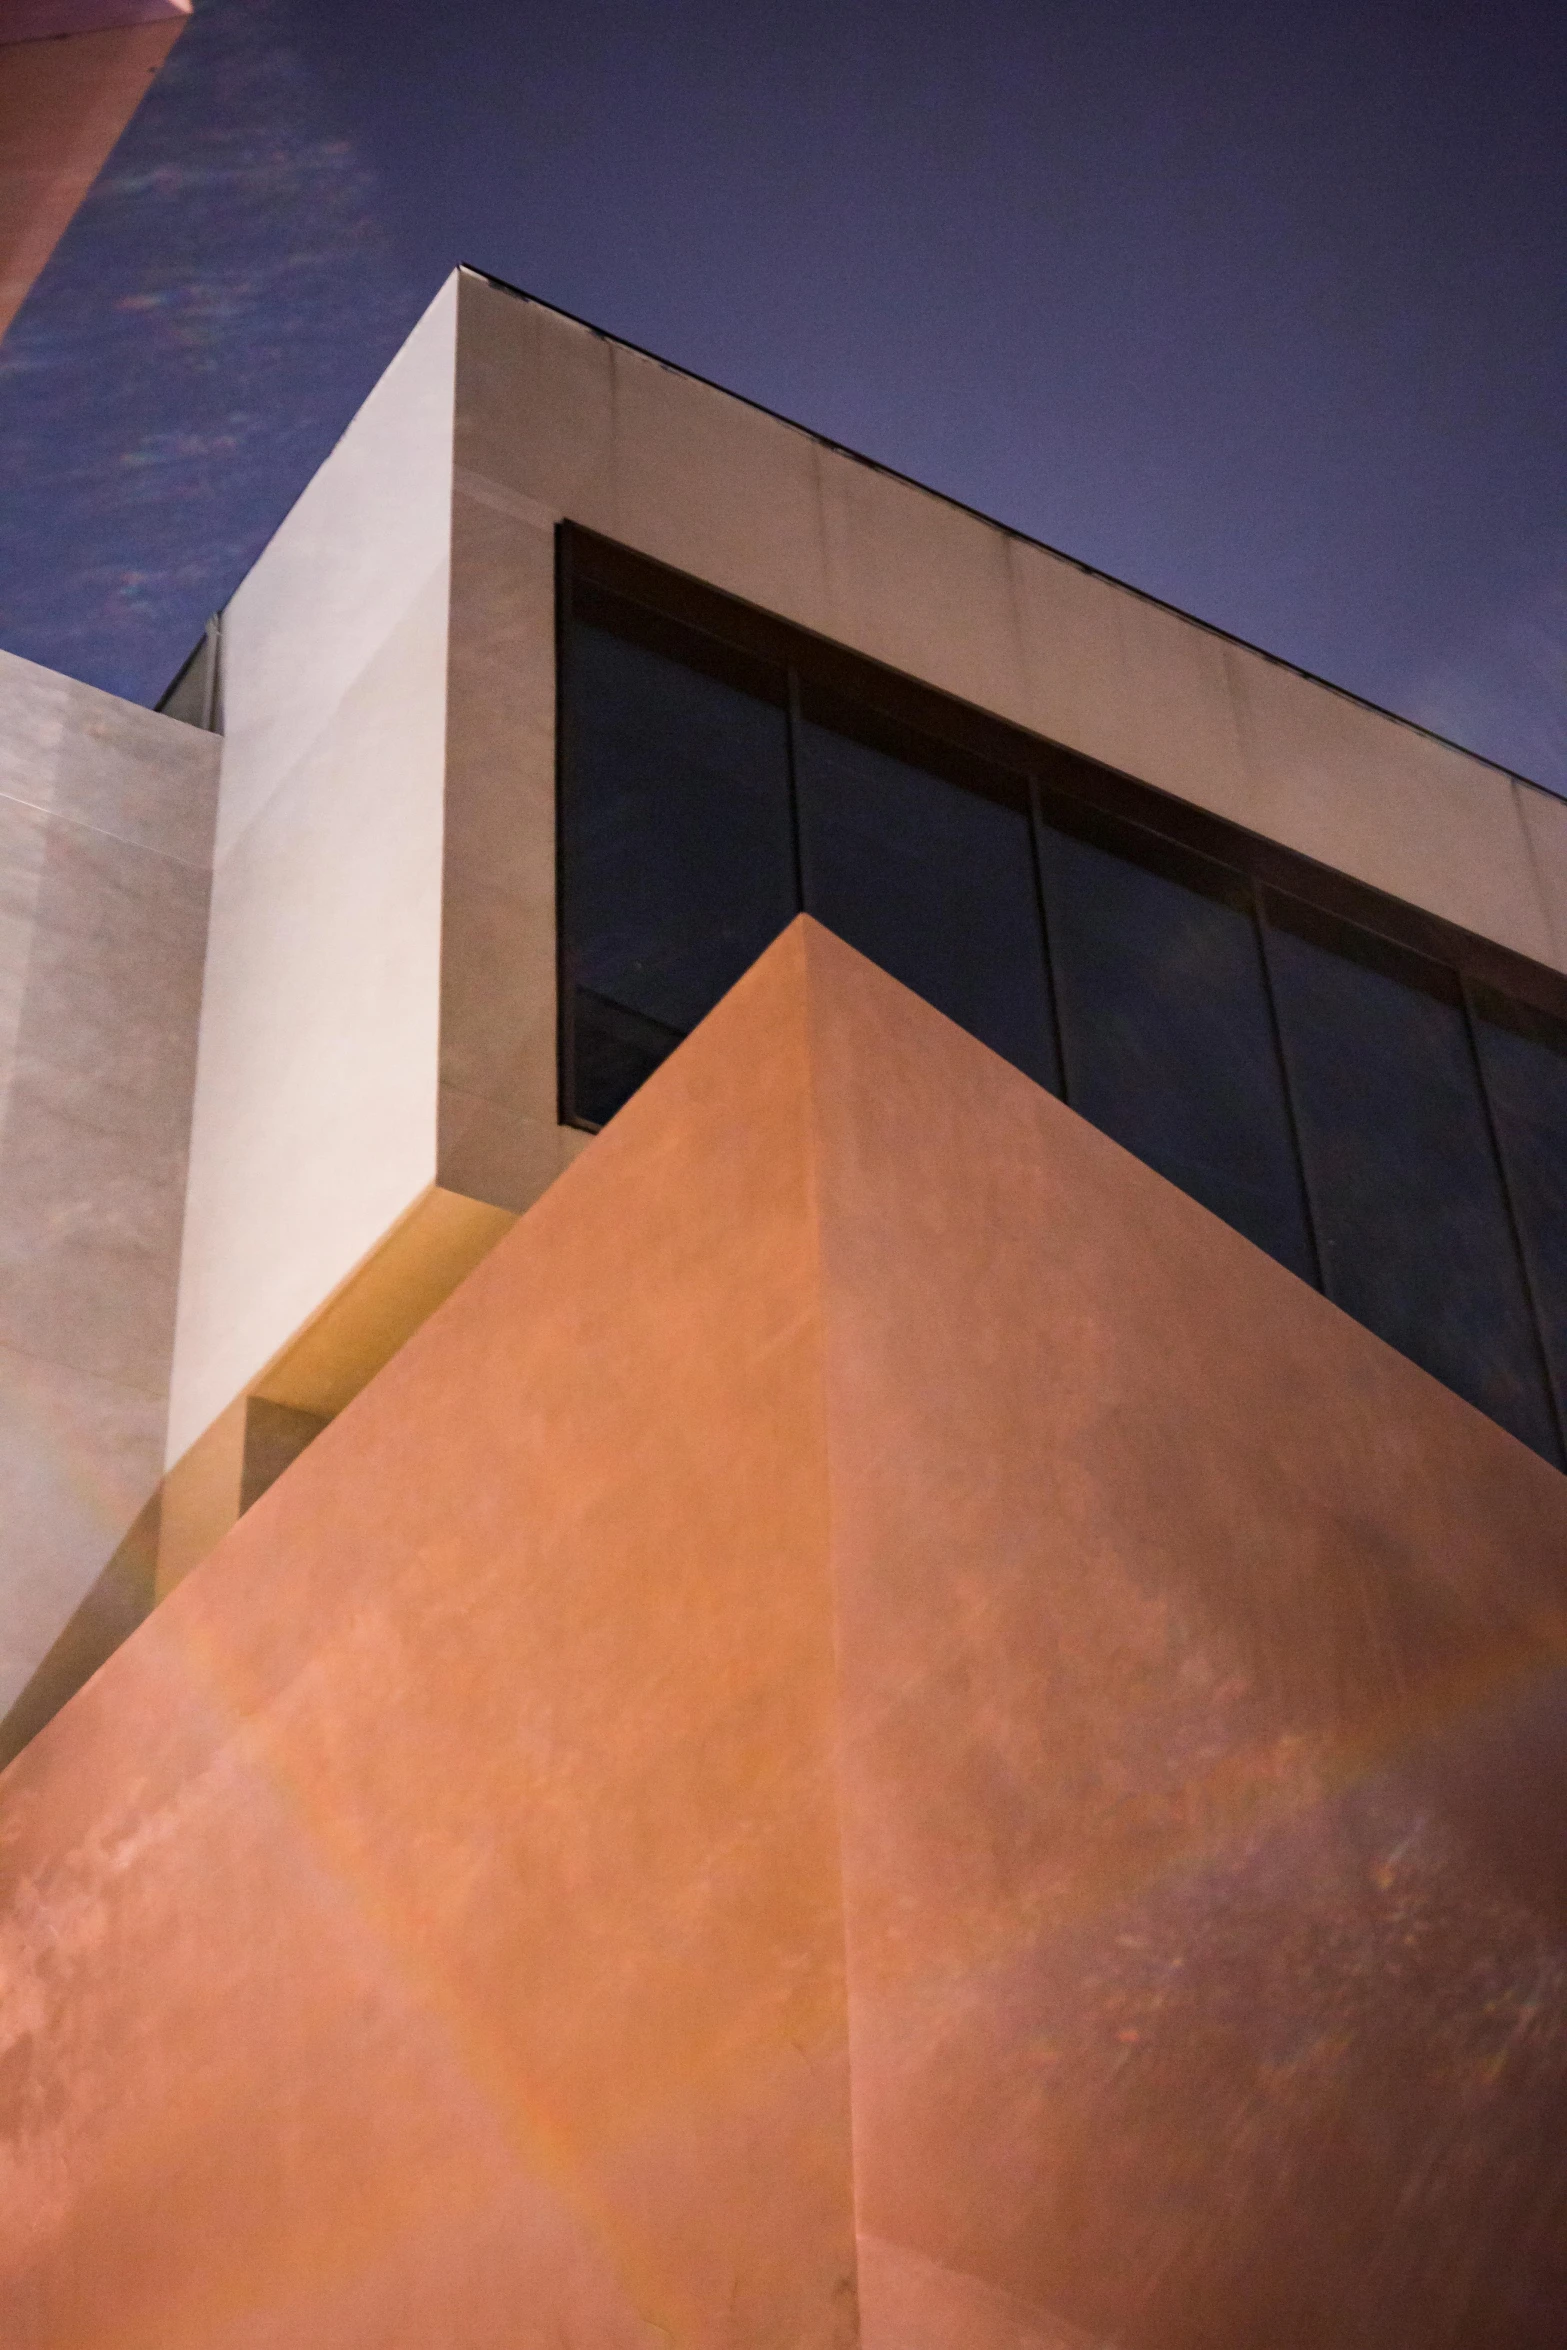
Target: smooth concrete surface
{"type": "Point", "coordinates": [1545, 829]}
{"type": "Point", "coordinates": [106, 815]}
{"type": "Point", "coordinates": [880, 1731]}
{"type": "Point", "coordinates": [499, 1139]}
{"type": "Point", "coordinates": [572, 424]}
{"type": "Point", "coordinates": [63, 104]}
{"type": "Point", "coordinates": [316, 1092]}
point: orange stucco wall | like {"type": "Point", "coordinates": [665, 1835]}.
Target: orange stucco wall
{"type": "Point", "coordinates": [1203, 1722]}
{"type": "Point", "coordinates": [879, 1729]}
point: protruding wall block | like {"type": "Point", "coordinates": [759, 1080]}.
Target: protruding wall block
{"type": "Point", "coordinates": [880, 1731]}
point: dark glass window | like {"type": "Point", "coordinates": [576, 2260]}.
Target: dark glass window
{"type": "Point", "coordinates": [1411, 1215]}
{"type": "Point", "coordinates": [1166, 1030]}
{"type": "Point", "coordinates": [1524, 1055]}
{"type": "Point", "coordinates": [1371, 1113]}
{"type": "Point", "coordinates": [678, 851]}
{"type": "Point", "coordinates": [932, 881]}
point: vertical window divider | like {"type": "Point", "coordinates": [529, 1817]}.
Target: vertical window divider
{"type": "Point", "coordinates": [796, 831]}
{"type": "Point", "coordinates": [1036, 822]}
{"type": "Point", "coordinates": [1514, 1221]}
{"type": "Point", "coordinates": [565, 1023]}
{"type": "Point", "coordinates": [1259, 917]}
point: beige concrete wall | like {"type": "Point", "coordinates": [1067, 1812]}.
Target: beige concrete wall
{"type": "Point", "coordinates": [499, 1140]}
{"type": "Point", "coordinates": [565, 422]}
{"type": "Point", "coordinates": [315, 1117]}
{"type": "Point", "coordinates": [379, 1023]}
{"type": "Point", "coordinates": [106, 816]}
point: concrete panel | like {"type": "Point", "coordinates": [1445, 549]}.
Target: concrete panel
{"type": "Point", "coordinates": [23, 840]}
{"type": "Point", "coordinates": [89, 1235]}
{"type": "Point", "coordinates": [1129, 683]}
{"type": "Point", "coordinates": [581, 427]}
{"type": "Point", "coordinates": [107, 997]}
{"type": "Point", "coordinates": [498, 1137]}
{"type": "Point", "coordinates": [1394, 807]}
{"type": "Point", "coordinates": [79, 1460]}
{"type": "Point", "coordinates": [1544, 820]}
{"type": "Point", "coordinates": [535, 404]}
{"type": "Point", "coordinates": [874, 1672]}
{"type": "Point", "coordinates": [315, 1116]}
{"type": "Point", "coordinates": [66, 749]}
{"type": "Point", "coordinates": [497, 1155]}
{"type": "Point", "coordinates": [681, 450]}
{"type": "Point", "coordinates": [106, 813]}
{"type": "Point", "coordinates": [315, 1113]}
{"type": "Point", "coordinates": [338, 579]}
{"type": "Point", "coordinates": [919, 584]}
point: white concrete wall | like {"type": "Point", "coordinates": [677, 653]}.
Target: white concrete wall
{"type": "Point", "coordinates": [315, 1116]}
{"type": "Point", "coordinates": [562, 421]}
{"type": "Point", "coordinates": [106, 820]}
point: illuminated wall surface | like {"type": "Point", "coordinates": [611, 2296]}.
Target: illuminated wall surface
{"type": "Point", "coordinates": [1144, 1657]}
{"type": "Point", "coordinates": [882, 1731]}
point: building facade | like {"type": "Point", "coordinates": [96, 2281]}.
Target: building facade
{"type": "Point", "coordinates": [1302, 958]}
{"type": "Point", "coordinates": [495, 797]}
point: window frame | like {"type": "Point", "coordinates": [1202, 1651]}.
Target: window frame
{"type": "Point", "coordinates": [999, 760]}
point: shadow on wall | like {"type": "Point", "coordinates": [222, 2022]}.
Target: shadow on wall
{"type": "Point", "coordinates": [120, 1599]}
{"type": "Point", "coordinates": [269, 1438]}
{"type": "Point", "coordinates": [105, 844]}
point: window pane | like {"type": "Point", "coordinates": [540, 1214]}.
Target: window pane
{"type": "Point", "coordinates": [1410, 1210]}
{"type": "Point", "coordinates": [1524, 1056]}
{"type": "Point", "coordinates": [934, 883]}
{"type": "Point", "coordinates": [678, 864]}
{"type": "Point", "coordinates": [1166, 1032]}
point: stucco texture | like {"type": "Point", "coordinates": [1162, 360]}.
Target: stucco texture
{"type": "Point", "coordinates": [879, 1731]}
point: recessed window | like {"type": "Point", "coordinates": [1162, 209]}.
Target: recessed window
{"type": "Point", "coordinates": [1523, 1055]}
{"type": "Point", "coordinates": [678, 844]}
{"type": "Point", "coordinates": [1360, 1098]}
{"type": "Point", "coordinates": [933, 881]}
{"type": "Point", "coordinates": [1412, 1215]}
{"type": "Point", "coordinates": [1166, 1029]}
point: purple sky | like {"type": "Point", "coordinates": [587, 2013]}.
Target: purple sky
{"type": "Point", "coordinates": [1262, 310]}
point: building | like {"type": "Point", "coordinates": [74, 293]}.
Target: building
{"type": "Point", "coordinates": [771, 1921]}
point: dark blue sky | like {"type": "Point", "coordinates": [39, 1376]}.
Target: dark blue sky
{"type": "Point", "coordinates": [1262, 310]}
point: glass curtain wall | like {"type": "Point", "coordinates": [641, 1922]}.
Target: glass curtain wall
{"type": "Point", "coordinates": [1378, 1124]}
